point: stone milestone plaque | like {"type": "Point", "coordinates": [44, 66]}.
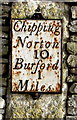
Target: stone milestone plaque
{"type": "Point", "coordinates": [36, 55]}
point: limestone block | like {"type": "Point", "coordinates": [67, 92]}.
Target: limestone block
{"type": "Point", "coordinates": [3, 82]}
{"type": "Point", "coordinates": [71, 117]}
{"type": "Point", "coordinates": [3, 50]}
{"type": "Point", "coordinates": [0, 116]}
{"type": "Point", "coordinates": [72, 105]}
{"type": "Point", "coordinates": [72, 61]}
{"type": "Point", "coordinates": [73, 71]}
{"type": "Point", "coordinates": [72, 47]}
{"type": "Point", "coordinates": [73, 88]}
{"type": "Point", "coordinates": [74, 12]}
{"type": "Point", "coordinates": [2, 91]}
{"type": "Point", "coordinates": [73, 26]}
{"type": "Point", "coordinates": [2, 103]}
{"type": "Point", "coordinates": [72, 78]}
{"type": "Point", "coordinates": [73, 38]}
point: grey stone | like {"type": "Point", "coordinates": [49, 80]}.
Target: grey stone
{"type": "Point", "coordinates": [3, 69]}
{"type": "Point", "coordinates": [72, 101]}
{"type": "Point", "coordinates": [72, 105]}
{"type": "Point", "coordinates": [2, 111]}
{"type": "Point", "coordinates": [3, 35]}
{"type": "Point", "coordinates": [2, 21]}
{"type": "Point", "coordinates": [2, 103]}
{"type": "Point", "coordinates": [72, 78]}
{"type": "Point", "coordinates": [5, 9]}
{"type": "Point", "coordinates": [3, 50]}
{"type": "Point", "coordinates": [72, 47]}
{"type": "Point", "coordinates": [73, 26]}
{"type": "Point", "coordinates": [74, 12]}
{"type": "Point", "coordinates": [73, 71]}
{"type": "Point", "coordinates": [4, 15]}
{"type": "Point", "coordinates": [5, 3]}
{"type": "Point", "coordinates": [71, 117]}
{"type": "Point", "coordinates": [3, 60]}
{"type": "Point", "coordinates": [4, 41]}
{"type": "Point", "coordinates": [1, 116]}
{"type": "Point", "coordinates": [5, 28]}
{"type": "Point", "coordinates": [3, 82]}
{"type": "Point", "coordinates": [73, 88]}
{"type": "Point", "coordinates": [2, 91]}
{"type": "Point", "coordinates": [72, 61]}
{"type": "Point", "coordinates": [73, 38]}
{"type": "Point", "coordinates": [72, 111]}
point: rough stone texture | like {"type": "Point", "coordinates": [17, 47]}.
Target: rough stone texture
{"type": "Point", "coordinates": [3, 82]}
{"type": "Point", "coordinates": [2, 111]}
{"type": "Point", "coordinates": [73, 71]}
{"type": "Point", "coordinates": [3, 60]}
{"type": "Point", "coordinates": [73, 26]}
{"type": "Point", "coordinates": [72, 78]}
{"type": "Point", "coordinates": [47, 106]}
{"type": "Point", "coordinates": [72, 61]}
{"type": "Point", "coordinates": [3, 69]}
{"type": "Point", "coordinates": [3, 35]}
{"type": "Point", "coordinates": [27, 9]}
{"type": "Point", "coordinates": [74, 12]}
{"type": "Point", "coordinates": [73, 38]}
{"type": "Point", "coordinates": [0, 116]}
{"type": "Point", "coordinates": [2, 91]}
{"type": "Point", "coordinates": [72, 47]}
{"type": "Point", "coordinates": [2, 103]}
{"type": "Point", "coordinates": [4, 50]}
{"type": "Point", "coordinates": [73, 88]}
{"type": "Point", "coordinates": [72, 105]}
{"type": "Point", "coordinates": [71, 117]}
{"type": "Point", "coordinates": [5, 28]}
{"type": "Point", "coordinates": [4, 42]}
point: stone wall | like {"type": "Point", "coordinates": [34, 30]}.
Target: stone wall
{"type": "Point", "coordinates": [47, 106]}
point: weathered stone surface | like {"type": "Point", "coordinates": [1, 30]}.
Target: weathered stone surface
{"type": "Point", "coordinates": [73, 38]}
{"type": "Point", "coordinates": [72, 47]}
{"type": "Point", "coordinates": [5, 9]}
{"type": "Point", "coordinates": [2, 91]}
{"type": "Point", "coordinates": [3, 60]}
{"type": "Point", "coordinates": [0, 116]}
{"type": "Point", "coordinates": [47, 106]}
{"type": "Point", "coordinates": [3, 21]}
{"type": "Point", "coordinates": [72, 61]}
{"type": "Point", "coordinates": [3, 69]}
{"type": "Point", "coordinates": [3, 35]}
{"type": "Point", "coordinates": [74, 11]}
{"type": "Point", "coordinates": [73, 26]}
{"type": "Point", "coordinates": [2, 111]}
{"type": "Point", "coordinates": [71, 117]}
{"type": "Point", "coordinates": [27, 9]}
{"type": "Point", "coordinates": [2, 103]}
{"type": "Point", "coordinates": [73, 88]}
{"type": "Point", "coordinates": [4, 42]}
{"type": "Point", "coordinates": [5, 3]}
{"type": "Point", "coordinates": [73, 71]}
{"type": "Point", "coordinates": [3, 81]}
{"type": "Point", "coordinates": [72, 105]}
{"type": "Point", "coordinates": [72, 78]}
{"type": "Point", "coordinates": [5, 28]}
{"type": "Point", "coordinates": [3, 50]}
